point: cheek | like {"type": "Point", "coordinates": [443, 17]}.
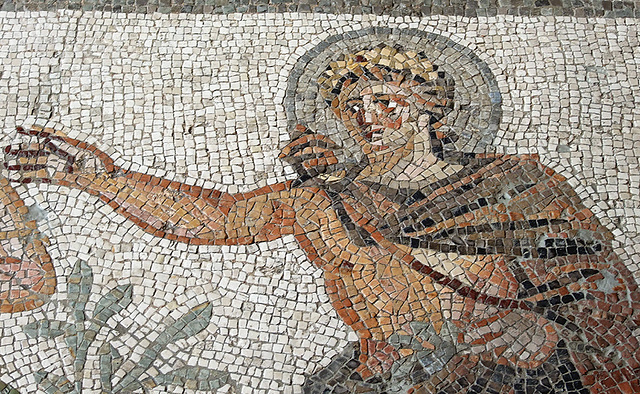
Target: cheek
{"type": "Point", "coordinates": [394, 119]}
{"type": "Point", "coordinates": [395, 138]}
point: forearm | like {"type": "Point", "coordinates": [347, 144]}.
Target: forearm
{"type": "Point", "coordinates": [191, 214]}
{"type": "Point", "coordinates": [160, 207]}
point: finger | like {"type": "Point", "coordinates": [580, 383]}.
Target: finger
{"type": "Point", "coordinates": [20, 152]}
{"type": "Point", "coordinates": [39, 176]}
{"type": "Point", "coordinates": [39, 132]}
{"type": "Point", "coordinates": [308, 140]}
{"type": "Point", "coordinates": [16, 148]}
{"type": "Point", "coordinates": [27, 156]}
{"type": "Point", "coordinates": [48, 130]}
{"type": "Point", "coordinates": [26, 179]}
{"type": "Point", "coordinates": [315, 146]}
{"type": "Point", "coordinates": [37, 154]}
{"type": "Point", "coordinates": [40, 135]}
{"type": "Point", "coordinates": [312, 156]}
{"type": "Point", "coordinates": [48, 136]}
{"type": "Point", "coordinates": [45, 145]}
{"type": "Point", "coordinates": [312, 151]}
{"type": "Point", "coordinates": [24, 167]}
{"type": "Point", "coordinates": [320, 161]}
{"type": "Point", "coordinates": [61, 153]}
{"type": "Point", "coordinates": [27, 170]}
{"type": "Point", "coordinates": [286, 151]}
{"type": "Point", "coordinates": [14, 163]}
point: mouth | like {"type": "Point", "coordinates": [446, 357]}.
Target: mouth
{"type": "Point", "coordinates": [373, 134]}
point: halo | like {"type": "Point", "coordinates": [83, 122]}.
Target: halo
{"type": "Point", "coordinates": [477, 96]}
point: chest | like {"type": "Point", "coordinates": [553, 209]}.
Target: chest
{"type": "Point", "coordinates": [350, 240]}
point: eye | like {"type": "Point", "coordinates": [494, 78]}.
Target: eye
{"type": "Point", "coordinates": [353, 106]}
{"type": "Point", "coordinates": [381, 100]}
{"type": "Point", "coordinates": [391, 101]}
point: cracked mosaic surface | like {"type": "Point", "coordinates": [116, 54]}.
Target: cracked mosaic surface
{"type": "Point", "coordinates": [308, 203]}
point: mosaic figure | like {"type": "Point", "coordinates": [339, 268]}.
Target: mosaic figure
{"type": "Point", "coordinates": [458, 271]}
{"type": "Point", "coordinates": [27, 277]}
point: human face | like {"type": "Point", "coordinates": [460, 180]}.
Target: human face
{"type": "Point", "coordinates": [387, 118]}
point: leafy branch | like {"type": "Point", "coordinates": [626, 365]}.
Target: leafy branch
{"type": "Point", "coordinates": [80, 335]}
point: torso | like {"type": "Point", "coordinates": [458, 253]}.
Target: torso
{"type": "Point", "coordinates": [375, 290]}
{"type": "Point", "coordinates": [376, 283]}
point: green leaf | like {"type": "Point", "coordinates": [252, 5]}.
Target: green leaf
{"type": "Point", "coordinates": [80, 282]}
{"type": "Point", "coordinates": [193, 322]}
{"type": "Point", "coordinates": [72, 343]}
{"type": "Point", "coordinates": [6, 389]}
{"type": "Point", "coordinates": [47, 328]}
{"type": "Point", "coordinates": [133, 385]}
{"type": "Point", "coordinates": [112, 303]}
{"type": "Point", "coordinates": [195, 378]}
{"type": "Point", "coordinates": [52, 383]}
{"type": "Point", "coordinates": [110, 361]}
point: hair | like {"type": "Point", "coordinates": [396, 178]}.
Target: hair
{"type": "Point", "coordinates": [383, 63]}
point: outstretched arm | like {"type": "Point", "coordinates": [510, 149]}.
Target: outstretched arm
{"type": "Point", "coordinates": [160, 207]}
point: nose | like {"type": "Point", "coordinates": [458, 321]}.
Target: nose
{"type": "Point", "coordinates": [370, 116]}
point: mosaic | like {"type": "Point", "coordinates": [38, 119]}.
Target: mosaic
{"type": "Point", "coordinates": [471, 8]}
{"type": "Point", "coordinates": [396, 230]}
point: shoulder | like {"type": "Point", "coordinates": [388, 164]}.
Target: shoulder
{"type": "Point", "coordinates": [545, 189]}
{"type": "Point", "coordinates": [530, 161]}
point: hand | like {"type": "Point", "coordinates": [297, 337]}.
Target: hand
{"type": "Point", "coordinates": [311, 154]}
{"type": "Point", "coordinates": [51, 156]}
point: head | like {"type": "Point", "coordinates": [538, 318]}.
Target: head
{"type": "Point", "coordinates": [390, 101]}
